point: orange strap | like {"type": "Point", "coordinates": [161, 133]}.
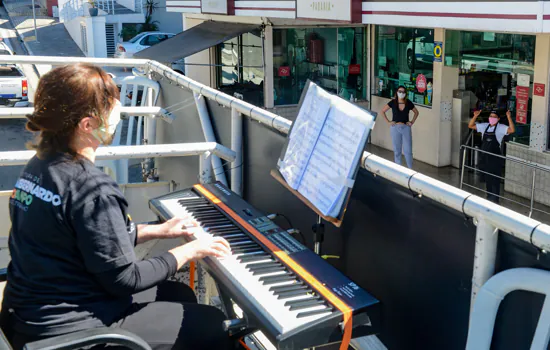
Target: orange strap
{"type": "Point", "coordinates": [297, 268]}
{"type": "Point", "coordinates": [192, 275]}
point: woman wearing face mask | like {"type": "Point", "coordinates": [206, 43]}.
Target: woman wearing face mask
{"type": "Point", "coordinates": [400, 131]}
{"type": "Point", "coordinates": [492, 134]}
{"type": "Point", "coordinates": [72, 240]}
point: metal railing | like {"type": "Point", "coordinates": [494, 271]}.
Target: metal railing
{"type": "Point", "coordinates": [533, 168]}
{"type": "Point", "coordinates": [79, 8]}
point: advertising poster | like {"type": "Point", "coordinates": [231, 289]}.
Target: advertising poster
{"type": "Point", "coordinates": [522, 101]}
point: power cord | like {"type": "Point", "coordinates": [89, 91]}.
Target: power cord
{"type": "Point", "coordinates": [291, 230]}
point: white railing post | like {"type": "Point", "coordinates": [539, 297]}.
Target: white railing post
{"type": "Point", "coordinates": [209, 136]}
{"type": "Point", "coordinates": [484, 257]}
{"type": "Point", "coordinates": [205, 166]}
{"type": "Point", "coordinates": [237, 147]}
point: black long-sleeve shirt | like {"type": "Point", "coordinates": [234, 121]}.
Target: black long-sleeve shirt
{"type": "Point", "coordinates": [72, 248]}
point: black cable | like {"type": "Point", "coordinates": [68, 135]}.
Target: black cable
{"type": "Point", "coordinates": [303, 238]}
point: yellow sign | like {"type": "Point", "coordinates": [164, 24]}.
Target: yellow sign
{"type": "Point", "coordinates": [438, 51]}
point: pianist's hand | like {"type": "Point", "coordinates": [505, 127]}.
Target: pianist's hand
{"type": "Point", "coordinates": [178, 227]}
{"type": "Point", "coordinates": [201, 248]}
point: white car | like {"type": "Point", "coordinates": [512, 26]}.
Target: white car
{"type": "Point", "coordinates": [424, 51]}
{"type": "Point", "coordinates": [14, 88]}
{"type": "Point", "coordinates": [140, 42]}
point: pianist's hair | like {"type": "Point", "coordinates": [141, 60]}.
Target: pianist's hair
{"type": "Point", "coordinates": [64, 96]}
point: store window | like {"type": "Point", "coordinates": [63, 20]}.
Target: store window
{"type": "Point", "coordinates": [498, 69]}
{"type": "Point", "coordinates": [404, 56]}
{"type": "Point", "coordinates": [240, 70]}
{"type": "Point", "coordinates": [333, 58]}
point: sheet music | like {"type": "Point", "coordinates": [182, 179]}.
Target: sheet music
{"type": "Point", "coordinates": [305, 133]}
{"type": "Point", "coordinates": [332, 163]}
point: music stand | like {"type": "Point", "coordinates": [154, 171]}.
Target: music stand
{"type": "Point", "coordinates": [313, 105]}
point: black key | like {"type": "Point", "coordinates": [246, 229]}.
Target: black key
{"type": "Point", "coordinates": [287, 287]}
{"type": "Point", "coordinates": [225, 231]}
{"type": "Point", "coordinates": [200, 209]}
{"type": "Point", "coordinates": [191, 202]}
{"type": "Point", "coordinates": [267, 270]}
{"type": "Point", "coordinates": [205, 214]}
{"type": "Point", "coordinates": [237, 251]}
{"type": "Point", "coordinates": [235, 237]}
{"type": "Point", "coordinates": [193, 206]}
{"type": "Point", "coordinates": [267, 280]}
{"type": "Point", "coordinates": [314, 312]}
{"type": "Point", "coordinates": [214, 227]}
{"type": "Point", "coordinates": [293, 293]}
{"type": "Point", "coordinates": [210, 222]}
{"type": "Point", "coordinates": [253, 257]}
{"type": "Point", "coordinates": [306, 304]}
{"type": "Point", "coordinates": [260, 265]}
{"type": "Point", "coordinates": [293, 302]}
{"type": "Point", "coordinates": [243, 242]}
{"type": "Point", "coordinates": [270, 265]}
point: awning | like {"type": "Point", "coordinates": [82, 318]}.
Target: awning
{"type": "Point", "coordinates": [193, 40]}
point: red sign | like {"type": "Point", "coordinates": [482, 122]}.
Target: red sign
{"type": "Point", "coordinates": [284, 71]}
{"type": "Point", "coordinates": [421, 83]}
{"type": "Point", "coordinates": [522, 101]}
{"type": "Point", "coordinates": [539, 89]}
{"type": "Point", "coordinates": [354, 69]}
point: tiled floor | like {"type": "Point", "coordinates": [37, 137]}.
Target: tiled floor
{"type": "Point", "coordinates": [451, 176]}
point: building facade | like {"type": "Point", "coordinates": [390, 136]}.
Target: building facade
{"type": "Point", "coordinates": [452, 57]}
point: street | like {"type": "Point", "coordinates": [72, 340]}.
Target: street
{"type": "Point", "coordinates": [13, 135]}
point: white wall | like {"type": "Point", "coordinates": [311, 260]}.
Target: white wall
{"type": "Point", "coordinates": [202, 74]}
{"type": "Point", "coordinates": [73, 27]}
{"type": "Point", "coordinates": [170, 22]}
{"type": "Point", "coordinates": [130, 4]}
{"type": "Point", "coordinates": [97, 40]}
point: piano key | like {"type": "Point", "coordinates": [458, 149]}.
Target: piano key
{"type": "Point", "coordinates": [235, 237]}
{"type": "Point", "coordinates": [277, 289]}
{"type": "Point", "coordinates": [253, 257]}
{"type": "Point", "coordinates": [261, 272]}
{"type": "Point", "coordinates": [306, 304]}
{"type": "Point", "coordinates": [260, 265]}
{"type": "Point", "coordinates": [214, 221]}
{"type": "Point", "coordinates": [244, 245]}
{"type": "Point", "coordinates": [293, 293]}
{"type": "Point", "coordinates": [326, 310]}
{"type": "Point", "coordinates": [247, 250]}
{"type": "Point", "coordinates": [294, 302]}
{"type": "Point", "coordinates": [267, 280]}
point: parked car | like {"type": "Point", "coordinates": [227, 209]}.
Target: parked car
{"type": "Point", "coordinates": [140, 42]}
{"type": "Point", "coordinates": [14, 87]}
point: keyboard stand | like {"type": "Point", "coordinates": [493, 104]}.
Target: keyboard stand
{"type": "Point", "coordinates": [318, 235]}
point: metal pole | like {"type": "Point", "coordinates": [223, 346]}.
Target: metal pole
{"type": "Point", "coordinates": [205, 165]}
{"type": "Point", "coordinates": [237, 147]}
{"type": "Point", "coordinates": [484, 257]}
{"type": "Point", "coordinates": [463, 166]}
{"type": "Point", "coordinates": [532, 194]}
{"type": "Point", "coordinates": [34, 18]}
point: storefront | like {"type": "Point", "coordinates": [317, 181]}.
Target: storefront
{"type": "Point", "coordinates": [497, 70]}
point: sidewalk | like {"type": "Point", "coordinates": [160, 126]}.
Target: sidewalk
{"type": "Point", "coordinates": [54, 40]}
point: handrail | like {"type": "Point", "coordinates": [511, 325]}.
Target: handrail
{"type": "Point", "coordinates": [143, 151]}
{"type": "Point", "coordinates": [154, 112]}
{"type": "Point", "coordinates": [534, 168]}
{"type": "Point", "coordinates": [60, 61]}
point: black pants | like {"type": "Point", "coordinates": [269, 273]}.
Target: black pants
{"type": "Point", "coordinates": [492, 182]}
{"type": "Point", "coordinates": [168, 317]}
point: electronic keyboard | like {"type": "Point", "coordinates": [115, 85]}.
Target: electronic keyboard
{"type": "Point", "coordinates": [294, 296]}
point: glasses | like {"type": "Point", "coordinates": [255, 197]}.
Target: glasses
{"type": "Point", "coordinates": [403, 91]}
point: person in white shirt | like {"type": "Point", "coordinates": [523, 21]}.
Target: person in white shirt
{"type": "Point", "coordinates": [492, 134]}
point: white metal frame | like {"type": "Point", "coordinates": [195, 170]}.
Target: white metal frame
{"type": "Point", "coordinates": [484, 314]}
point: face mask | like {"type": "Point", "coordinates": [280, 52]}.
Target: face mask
{"type": "Point", "coordinates": [401, 95]}
{"type": "Point", "coordinates": [105, 133]}
{"type": "Point", "coordinates": [493, 120]}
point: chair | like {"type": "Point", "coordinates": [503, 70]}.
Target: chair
{"type": "Point", "coordinates": [80, 339]}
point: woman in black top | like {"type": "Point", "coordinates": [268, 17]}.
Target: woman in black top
{"type": "Point", "coordinates": [401, 125]}
{"type": "Point", "coordinates": [73, 265]}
